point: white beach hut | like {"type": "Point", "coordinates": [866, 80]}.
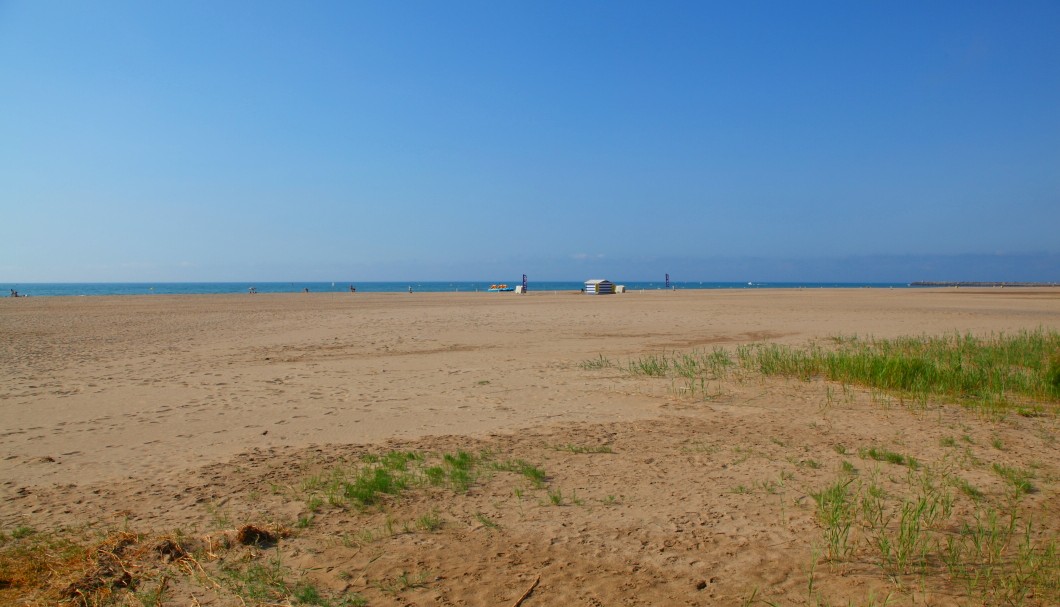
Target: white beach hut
{"type": "Point", "coordinates": [599, 286]}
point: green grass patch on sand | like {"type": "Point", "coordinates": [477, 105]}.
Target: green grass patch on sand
{"type": "Point", "coordinates": [1002, 372]}
{"type": "Point", "coordinates": [378, 477]}
{"type": "Point", "coordinates": [999, 370]}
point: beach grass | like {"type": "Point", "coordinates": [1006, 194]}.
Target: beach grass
{"type": "Point", "coordinates": [260, 581]}
{"type": "Point", "coordinates": [891, 457]}
{"type": "Point", "coordinates": [532, 473]}
{"type": "Point", "coordinates": [1017, 372]}
{"type": "Point", "coordinates": [600, 362]}
{"type": "Point", "coordinates": [998, 370]}
{"type": "Point", "coordinates": [430, 521]}
{"type": "Point", "coordinates": [916, 529]}
{"type": "Point", "coordinates": [376, 478]}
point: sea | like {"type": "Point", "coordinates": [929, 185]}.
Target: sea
{"type": "Point", "coordinates": [87, 289]}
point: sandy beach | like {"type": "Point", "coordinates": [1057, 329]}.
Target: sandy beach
{"type": "Point", "coordinates": [205, 413]}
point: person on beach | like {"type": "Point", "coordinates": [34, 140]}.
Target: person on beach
{"type": "Point", "coordinates": [410, 288]}
{"type": "Point", "coordinates": [352, 289]}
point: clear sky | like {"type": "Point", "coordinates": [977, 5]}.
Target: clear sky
{"type": "Point", "coordinates": [205, 140]}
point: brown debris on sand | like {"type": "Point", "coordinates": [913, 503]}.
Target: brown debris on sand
{"type": "Point", "coordinates": [109, 570]}
{"type": "Point", "coordinates": [253, 535]}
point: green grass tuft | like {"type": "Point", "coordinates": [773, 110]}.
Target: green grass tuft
{"type": "Point", "coordinates": [891, 457]}
{"type": "Point", "coordinates": [366, 488]}
{"type": "Point", "coordinates": [1019, 479]}
{"type": "Point", "coordinates": [535, 475]}
{"type": "Point", "coordinates": [600, 362]}
{"type": "Point", "coordinates": [1052, 374]}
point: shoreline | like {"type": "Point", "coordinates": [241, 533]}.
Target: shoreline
{"type": "Point", "coordinates": [236, 288]}
{"type": "Point", "coordinates": [984, 284]}
{"type": "Point", "coordinates": [923, 287]}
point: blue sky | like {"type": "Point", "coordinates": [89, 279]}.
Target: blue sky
{"type": "Point", "coordinates": [889, 141]}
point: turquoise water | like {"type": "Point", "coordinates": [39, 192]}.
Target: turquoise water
{"type": "Point", "coordinates": [200, 288]}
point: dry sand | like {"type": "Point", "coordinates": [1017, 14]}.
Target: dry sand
{"type": "Point", "coordinates": [200, 412]}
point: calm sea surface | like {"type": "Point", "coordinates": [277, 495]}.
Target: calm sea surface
{"type": "Point", "coordinates": [199, 288]}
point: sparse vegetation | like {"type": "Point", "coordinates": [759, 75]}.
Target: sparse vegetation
{"type": "Point", "coordinates": [600, 362]}
{"type": "Point", "coordinates": [690, 373]}
{"type": "Point", "coordinates": [486, 521]}
{"type": "Point", "coordinates": [835, 508]}
{"type": "Point", "coordinates": [258, 580]}
{"type": "Point", "coordinates": [1020, 480]}
{"type": "Point", "coordinates": [429, 522]}
{"type": "Point", "coordinates": [891, 457]}
{"type": "Point", "coordinates": [388, 475]}
{"type": "Point", "coordinates": [994, 552]}
{"type": "Point", "coordinates": [555, 496]}
{"type": "Point", "coordinates": [535, 475]}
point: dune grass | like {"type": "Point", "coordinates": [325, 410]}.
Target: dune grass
{"type": "Point", "coordinates": [989, 547]}
{"type": "Point", "coordinates": [1004, 372]}
{"type": "Point", "coordinates": [886, 455]}
{"type": "Point", "coordinates": [370, 482]}
{"type": "Point", "coordinates": [694, 365]}
{"type": "Point", "coordinates": [1014, 370]}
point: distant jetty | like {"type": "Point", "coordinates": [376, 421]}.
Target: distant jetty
{"type": "Point", "coordinates": [983, 284]}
